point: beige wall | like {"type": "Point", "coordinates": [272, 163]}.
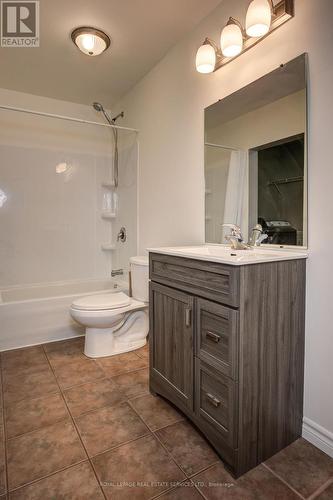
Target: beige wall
{"type": "Point", "coordinates": [168, 108]}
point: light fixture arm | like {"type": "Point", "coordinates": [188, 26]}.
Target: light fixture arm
{"type": "Point", "coordinates": [209, 41]}
{"type": "Point", "coordinates": [232, 20]}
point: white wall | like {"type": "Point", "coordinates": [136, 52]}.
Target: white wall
{"type": "Point", "coordinates": [168, 107]}
{"type": "Point", "coordinates": [51, 224]}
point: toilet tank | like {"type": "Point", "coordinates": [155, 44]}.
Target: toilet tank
{"type": "Point", "coordinates": [139, 267]}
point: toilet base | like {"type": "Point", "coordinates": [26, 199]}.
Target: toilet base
{"type": "Point", "coordinates": [131, 335]}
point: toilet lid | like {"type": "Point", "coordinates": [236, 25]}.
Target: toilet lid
{"type": "Point", "coordinates": [102, 301]}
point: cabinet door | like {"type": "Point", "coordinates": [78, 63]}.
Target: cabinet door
{"type": "Point", "coordinates": [171, 344]}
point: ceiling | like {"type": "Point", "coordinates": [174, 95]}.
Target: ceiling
{"type": "Point", "coordinates": [141, 33]}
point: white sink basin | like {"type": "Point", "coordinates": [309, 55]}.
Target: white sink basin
{"type": "Point", "coordinates": [226, 255]}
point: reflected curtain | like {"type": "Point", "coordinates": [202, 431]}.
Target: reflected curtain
{"type": "Point", "coordinates": [234, 200]}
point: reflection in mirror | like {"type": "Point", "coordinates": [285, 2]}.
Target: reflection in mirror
{"type": "Point", "coordinates": [255, 159]}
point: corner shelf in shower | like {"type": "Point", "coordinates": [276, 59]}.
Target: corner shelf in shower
{"type": "Point", "coordinates": [107, 247]}
{"type": "Point", "coordinates": [108, 214]}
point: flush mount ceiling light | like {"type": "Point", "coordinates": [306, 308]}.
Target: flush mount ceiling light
{"type": "Point", "coordinates": [262, 18]}
{"type": "Point", "coordinates": [90, 41]}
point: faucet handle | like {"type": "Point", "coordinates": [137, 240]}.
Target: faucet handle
{"type": "Point", "coordinates": [257, 236]}
{"type": "Point", "coordinates": [235, 230]}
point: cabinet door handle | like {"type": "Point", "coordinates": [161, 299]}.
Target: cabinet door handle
{"type": "Point", "coordinates": [188, 311]}
{"type": "Point", "coordinates": [213, 400]}
{"type": "Point", "coordinates": [212, 336]}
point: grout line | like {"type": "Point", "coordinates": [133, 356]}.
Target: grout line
{"type": "Point", "coordinates": [111, 405]}
{"type": "Point", "coordinates": [126, 373]}
{"type": "Point", "coordinates": [282, 480]}
{"type": "Point", "coordinates": [53, 473]}
{"type": "Point", "coordinates": [165, 449]}
{"type": "Point", "coordinates": [187, 477]}
{"type": "Point", "coordinates": [175, 488]}
{"type": "Point", "coordinates": [65, 419]}
{"type": "Point", "coordinates": [47, 394]}
{"type": "Point", "coordinates": [120, 445]}
{"type": "Point", "coordinates": [75, 427]}
{"type": "Point", "coordinates": [207, 468]}
{"type": "Point", "coordinates": [181, 419]}
{"type": "Point", "coordinates": [19, 375]}
{"type": "Point", "coordinates": [204, 469]}
{"type": "Point", "coordinates": [77, 430]}
{"type": "Point", "coordinates": [201, 492]}
{"type": "Point", "coordinates": [321, 489]}
{"type": "Point", "coordinates": [105, 376]}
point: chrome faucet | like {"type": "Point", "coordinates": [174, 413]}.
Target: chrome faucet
{"type": "Point", "coordinates": [235, 237]}
{"type": "Point", "coordinates": [257, 236]}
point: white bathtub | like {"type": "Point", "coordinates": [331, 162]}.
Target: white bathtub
{"type": "Point", "coordinates": [35, 314]}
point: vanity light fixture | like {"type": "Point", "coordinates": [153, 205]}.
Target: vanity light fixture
{"type": "Point", "coordinates": [259, 18]}
{"type": "Point", "coordinates": [90, 41]}
{"type": "Point", "coordinates": [205, 60]}
{"type": "Point", "coordinates": [262, 18]}
{"type": "Point", "coordinates": [232, 38]}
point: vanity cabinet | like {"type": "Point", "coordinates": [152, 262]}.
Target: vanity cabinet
{"type": "Point", "coordinates": [227, 348]}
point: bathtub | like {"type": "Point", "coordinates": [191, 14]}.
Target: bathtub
{"type": "Point", "coordinates": [36, 314]}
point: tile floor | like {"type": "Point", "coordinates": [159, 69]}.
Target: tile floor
{"type": "Point", "coordinates": [74, 428]}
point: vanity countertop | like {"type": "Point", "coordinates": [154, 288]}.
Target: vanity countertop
{"type": "Point", "coordinates": [226, 255]}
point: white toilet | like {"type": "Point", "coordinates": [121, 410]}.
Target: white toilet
{"type": "Point", "coordinates": [115, 322]}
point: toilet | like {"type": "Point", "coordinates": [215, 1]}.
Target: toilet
{"type": "Point", "coordinates": [114, 322]}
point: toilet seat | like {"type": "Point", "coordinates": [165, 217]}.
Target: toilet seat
{"type": "Point", "coordinates": [102, 302]}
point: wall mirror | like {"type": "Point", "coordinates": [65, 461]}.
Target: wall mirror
{"type": "Point", "coordinates": [256, 161]}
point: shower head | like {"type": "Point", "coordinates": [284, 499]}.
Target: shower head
{"type": "Point", "coordinates": [98, 106]}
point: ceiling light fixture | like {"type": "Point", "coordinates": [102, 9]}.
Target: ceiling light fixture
{"type": "Point", "coordinates": [90, 41]}
{"type": "Point", "coordinates": [262, 18]}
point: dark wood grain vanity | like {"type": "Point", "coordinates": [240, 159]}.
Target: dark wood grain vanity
{"type": "Point", "coordinates": [227, 349]}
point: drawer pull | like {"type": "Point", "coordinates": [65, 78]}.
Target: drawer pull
{"type": "Point", "coordinates": [212, 336]}
{"type": "Point", "coordinates": [213, 400]}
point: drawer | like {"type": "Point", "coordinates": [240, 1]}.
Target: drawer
{"type": "Point", "coordinates": [216, 401]}
{"type": "Point", "coordinates": [210, 280]}
{"type": "Point", "coordinates": [217, 336]}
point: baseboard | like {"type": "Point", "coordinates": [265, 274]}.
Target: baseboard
{"type": "Point", "coordinates": [318, 436]}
